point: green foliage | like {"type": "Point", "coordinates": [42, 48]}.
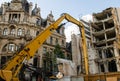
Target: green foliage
{"type": "Point", "coordinates": [58, 51]}
{"type": "Point", "coordinates": [50, 61]}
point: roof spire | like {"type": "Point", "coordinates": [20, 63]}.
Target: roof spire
{"type": "Point", "coordinates": [51, 12]}
{"type": "Point", "coordinates": [35, 5]}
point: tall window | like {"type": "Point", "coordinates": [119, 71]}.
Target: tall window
{"type": "Point", "coordinates": [56, 41]}
{"type": "Point", "coordinates": [51, 40]}
{"type": "Point", "coordinates": [44, 50]}
{"type": "Point", "coordinates": [11, 47]}
{"type": "Point", "coordinates": [12, 32]}
{"type": "Point", "coordinates": [5, 31]}
{"type": "Point", "coordinates": [63, 42]}
{"type": "Point", "coordinates": [19, 33]}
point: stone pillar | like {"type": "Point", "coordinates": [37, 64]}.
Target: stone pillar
{"type": "Point", "coordinates": [30, 8]}
{"type": "Point", "coordinates": [7, 17]}
{"type": "Point", "coordinates": [3, 9]}
{"type": "Point", "coordinates": [40, 53]}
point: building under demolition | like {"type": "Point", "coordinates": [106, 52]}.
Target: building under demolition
{"type": "Point", "coordinates": [105, 30]}
{"type": "Point", "coordinates": [103, 42]}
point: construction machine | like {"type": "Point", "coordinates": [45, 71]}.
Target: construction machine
{"type": "Point", "coordinates": [12, 68]}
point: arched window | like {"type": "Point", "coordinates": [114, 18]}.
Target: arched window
{"type": "Point", "coordinates": [19, 32]}
{"type": "Point", "coordinates": [12, 32]}
{"type": "Point", "coordinates": [4, 49]}
{"type": "Point", "coordinates": [11, 47]}
{"type": "Point", "coordinates": [5, 31]}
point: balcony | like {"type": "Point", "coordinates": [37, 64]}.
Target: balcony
{"type": "Point", "coordinates": [13, 21]}
{"type": "Point", "coordinates": [11, 37]}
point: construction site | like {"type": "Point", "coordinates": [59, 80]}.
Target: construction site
{"type": "Point", "coordinates": [33, 48]}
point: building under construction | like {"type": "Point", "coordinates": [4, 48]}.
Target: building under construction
{"type": "Point", "coordinates": [105, 30]}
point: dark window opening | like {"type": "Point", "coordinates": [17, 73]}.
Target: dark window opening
{"type": "Point", "coordinates": [112, 66]}
{"type": "Point", "coordinates": [108, 53]}
{"type": "Point", "coordinates": [3, 60]}
{"type": "Point", "coordinates": [51, 40]}
{"type": "Point", "coordinates": [56, 41]}
{"type": "Point", "coordinates": [9, 16]}
{"type": "Point", "coordinates": [58, 30]}
{"type": "Point", "coordinates": [102, 68]}
{"type": "Point", "coordinates": [37, 33]}
{"type": "Point", "coordinates": [111, 34]}
{"type": "Point", "coordinates": [35, 62]}
{"type": "Point", "coordinates": [38, 22]}
{"type": "Point", "coordinates": [109, 24]}
{"type": "Point", "coordinates": [14, 16]}
{"type": "Point", "coordinates": [27, 7]}
{"type": "Point", "coordinates": [100, 53]}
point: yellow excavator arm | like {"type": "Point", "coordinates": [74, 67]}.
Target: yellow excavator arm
{"type": "Point", "coordinates": [11, 69]}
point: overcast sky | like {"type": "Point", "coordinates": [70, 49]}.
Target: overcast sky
{"type": "Point", "coordinates": [76, 8]}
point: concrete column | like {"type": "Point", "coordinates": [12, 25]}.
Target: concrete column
{"type": "Point", "coordinates": [105, 33]}
{"type": "Point", "coordinates": [116, 51]}
{"type": "Point", "coordinates": [105, 64]}
{"type": "Point", "coordinates": [99, 68]}
{"type": "Point", "coordinates": [116, 55]}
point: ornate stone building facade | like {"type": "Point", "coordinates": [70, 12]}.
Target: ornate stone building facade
{"type": "Point", "coordinates": [19, 24]}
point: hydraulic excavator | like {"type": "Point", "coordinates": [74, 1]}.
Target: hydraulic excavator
{"type": "Point", "coordinates": [12, 68]}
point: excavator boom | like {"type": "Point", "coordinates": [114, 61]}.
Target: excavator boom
{"type": "Point", "coordinates": [13, 66]}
